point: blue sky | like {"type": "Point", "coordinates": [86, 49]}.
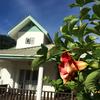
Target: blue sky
{"type": "Point", "coordinates": [49, 13]}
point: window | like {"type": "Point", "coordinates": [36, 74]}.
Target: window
{"type": "Point", "coordinates": [34, 77]}
{"type": "Point", "coordinates": [27, 77]}
{"type": "Point", "coordinates": [29, 40]}
{"type": "Point", "coordinates": [21, 75]}
{"type": "Point", "coordinates": [28, 74]}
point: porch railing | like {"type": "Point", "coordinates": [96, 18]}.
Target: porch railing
{"type": "Point", "coordinates": [22, 94]}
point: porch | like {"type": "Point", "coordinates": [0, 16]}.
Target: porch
{"type": "Point", "coordinates": [22, 94]}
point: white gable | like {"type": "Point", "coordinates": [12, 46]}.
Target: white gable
{"type": "Point", "coordinates": [30, 39]}
{"type": "Point", "coordinates": [29, 33]}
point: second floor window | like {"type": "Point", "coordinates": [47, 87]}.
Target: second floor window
{"type": "Point", "coordinates": [29, 40]}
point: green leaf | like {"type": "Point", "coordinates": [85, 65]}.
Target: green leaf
{"type": "Point", "coordinates": [69, 18]}
{"type": "Point", "coordinates": [86, 17]}
{"type": "Point", "coordinates": [71, 84]}
{"type": "Point", "coordinates": [97, 27]}
{"type": "Point", "coordinates": [91, 82]}
{"type": "Point", "coordinates": [68, 37]}
{"type": "Point", "coordinates": [71, 45]}
{"type": "Point", "coordinates": [56, 37]}
{"type": "Point", "coordinates": [97, 52]}
{"type": "Point", "coordinates": [83, 2]}
{"type": "Point", "coordinates": [80, 2]}
{"type": "Point", "coordinates": [59, 81]}
{"type": "Point", "coordinates": [92, 30]}
{"type": "Point", "coordinates": [79, 32]}
{"type": "Point", "coordinates": [88, 1]}
{"type": "Point", "coordinates": [40, 60]}
{"type": "Point", "coordinates": [81, 77]}
{"type": "Point", "coordinates": [83, 96]}
{"type": "Point", "coordinates": [89, 38]}
{"type": "Point", "coordinates": [95, 64]}
{"type": "Point", "coordinates": [82, 29]}
{"type": "Point", "coordinates": [74, 5]}
{"type": "Point", "coordinates": [72, 24]}
{"type": "Point", "coordinates": [94, 17]}
{"type": "Point", "coordinates": [75, 30]}
{"type": "Point", "coordinates": [64, 29]}
{"type": "Point", "coordinates": [37, 62]}
{"type": "Point", "coordinates": [43, 50]}
{"type": "Point", "coordinates": [95, 23]}
{"type": "Point", "coordinates": [96, 9]}
{"type": "Point", "coordinates": [84, 13]}
{"type": "Point", "coordinates": [57, 40]}
{"type": "Point", "coordinates": [54, 51]}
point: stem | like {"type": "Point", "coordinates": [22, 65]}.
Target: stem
{"type": "Point", "coordinates": [80, 22]}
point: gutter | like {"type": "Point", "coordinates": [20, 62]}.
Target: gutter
{"type": "Point", "coordinates": [18, 57]}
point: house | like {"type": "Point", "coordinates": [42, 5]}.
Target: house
{"type": "Point", "coordinates": [15, 63]}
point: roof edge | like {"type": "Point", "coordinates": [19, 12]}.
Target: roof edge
{"type": "Point", "coordinates": [11, 32]}
{"type": "Point", "coordinates": [16, 57]}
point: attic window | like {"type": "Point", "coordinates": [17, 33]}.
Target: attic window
{"type": "Point", "coordinates": [29, 40]}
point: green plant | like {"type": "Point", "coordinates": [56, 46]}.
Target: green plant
{"type": "Point", "coordinates": [57, 84]}
{"type": "Point", "coordinates": [77, 43]}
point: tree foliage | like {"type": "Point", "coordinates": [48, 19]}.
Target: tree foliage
{"type": "Point", "coordinates": [77, 37]}
{"type": "Point", "coordinates": [6, 42]}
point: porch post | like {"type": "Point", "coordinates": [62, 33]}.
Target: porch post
{"type": "Point", "coordinates": [39, 84]}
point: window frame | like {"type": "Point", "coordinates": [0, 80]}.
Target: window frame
{"type": "Point", "coordinates": [29, 40]}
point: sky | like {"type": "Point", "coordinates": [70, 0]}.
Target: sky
{"type": "Point", "coordinates": [48, 13]}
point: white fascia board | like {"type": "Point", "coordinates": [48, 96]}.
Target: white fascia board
{"type": "Point", "coordinates": [40, 27]}
{"type": "Point", "coordinates": [13, 31]}
{"type": "Point", "coordinates": [11, 56]}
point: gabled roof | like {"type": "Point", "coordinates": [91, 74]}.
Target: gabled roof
{"type": "Point", "coordinates": [24, 53]}
{"type": "Point", "coordinates": [19, 26]}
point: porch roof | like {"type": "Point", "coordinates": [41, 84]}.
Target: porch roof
{"type": "Point", "coordinates": [24, 53]}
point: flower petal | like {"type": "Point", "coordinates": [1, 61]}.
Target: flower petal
{"type": "Point", "coordinates": [81, 65]}
{"type": "Point", "coordinates": [65, 57]}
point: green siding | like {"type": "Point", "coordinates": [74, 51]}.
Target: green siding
{"type": "Point", "coordinates": [30, 27]}
{"type": "Point", "coordinates": [34, 29]}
